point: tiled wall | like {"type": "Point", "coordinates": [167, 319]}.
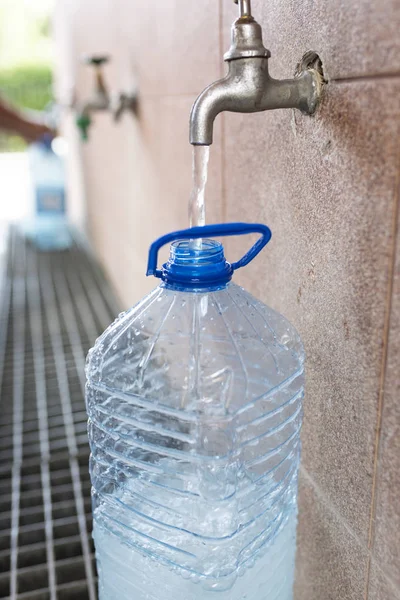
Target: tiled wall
{"type": "Point", "coordinates": [328, 186]}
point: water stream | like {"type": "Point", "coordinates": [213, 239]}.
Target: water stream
{"type": "Point", "coordinates": [197, 209]}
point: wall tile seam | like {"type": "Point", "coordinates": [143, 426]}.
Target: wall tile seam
{"type": "Point", "coordinates": [367, 578]}
{"type": "Point", "coordinates": [384, 363]}
{"type": "Point", "coordinates": [366, 77]}
{"type": "Point", "coordinates": [388, 579]}
{"type": "Point", "coordinates": [325, 500]}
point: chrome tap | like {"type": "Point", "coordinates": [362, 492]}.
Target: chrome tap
{"type": "Point", "coordinates": [101, 99]}
{"type": "Point", "coordinates": [248, 87]}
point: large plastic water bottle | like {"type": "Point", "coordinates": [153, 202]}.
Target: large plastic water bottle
{"type": "Point", "coordinates": [194, 399]}
{"type": "Point", "coordinates": [49, 228]}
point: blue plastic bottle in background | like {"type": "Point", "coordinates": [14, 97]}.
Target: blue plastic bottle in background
{"type": "Point", "coordinates": [49, 230]}
{"type": "Point", "coordinates": [194, 399]}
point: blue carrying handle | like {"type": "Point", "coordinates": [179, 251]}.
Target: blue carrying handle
{"type": "Point", "coordinates": [220, 230]}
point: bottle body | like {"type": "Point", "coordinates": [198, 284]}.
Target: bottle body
{"type": "Point", "coordinates": [195, 409]}
{"type": "Point", "coordinates": [49, 227]}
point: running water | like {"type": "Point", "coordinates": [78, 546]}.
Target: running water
{"type": "Point", "coordinates": [197, 209]}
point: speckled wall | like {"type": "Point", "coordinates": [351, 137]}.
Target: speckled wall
{"type": "Point", "coordinates": [328, 186]}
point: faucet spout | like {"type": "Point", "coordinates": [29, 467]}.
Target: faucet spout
{"type": "Point", "coordinates": [216, 98]}
{"type": "Point", "coordinates": [248, 87]}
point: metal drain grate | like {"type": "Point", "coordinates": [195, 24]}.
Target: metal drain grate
{"type": "Point", "coordinates": [54, 305]}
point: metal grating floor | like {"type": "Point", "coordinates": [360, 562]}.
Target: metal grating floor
{"type": "Point", "coordinates": [53, 307]}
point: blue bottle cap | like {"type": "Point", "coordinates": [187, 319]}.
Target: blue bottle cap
{"type": "Point", "coordinates": [194, 265]}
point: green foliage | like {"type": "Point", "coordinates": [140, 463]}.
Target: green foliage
{"type": "Point", "coordinates": [27, 86]}
{"type": "Point", "coordinates": [26, 56]}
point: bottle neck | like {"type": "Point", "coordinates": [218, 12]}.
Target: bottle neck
{"type": "Point", "coordinates": [196, 266]}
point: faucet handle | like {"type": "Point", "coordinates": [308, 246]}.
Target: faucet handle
{"type": "Point", "coordinates": [244, 7]}
{"type": "Point", "coordinates": [97, 61]}
{"type": "Point", "coordinates": [247, 39]}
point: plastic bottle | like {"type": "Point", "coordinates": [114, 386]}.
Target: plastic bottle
{"type": "Point", "coordinates": [49, 227]}
{"type": "Point", "coordinates": [194, 399]}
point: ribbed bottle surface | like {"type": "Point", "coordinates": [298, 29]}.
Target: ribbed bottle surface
{"type": "Point", "coordinates": [195, 408]}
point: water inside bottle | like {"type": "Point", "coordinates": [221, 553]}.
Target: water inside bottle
{"type": "Point", "coordinates": [129, 573]}
{"type": "Point", "coordinates": [195, 408]}
{"type": "Point", "coordinates": [197, 207]}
